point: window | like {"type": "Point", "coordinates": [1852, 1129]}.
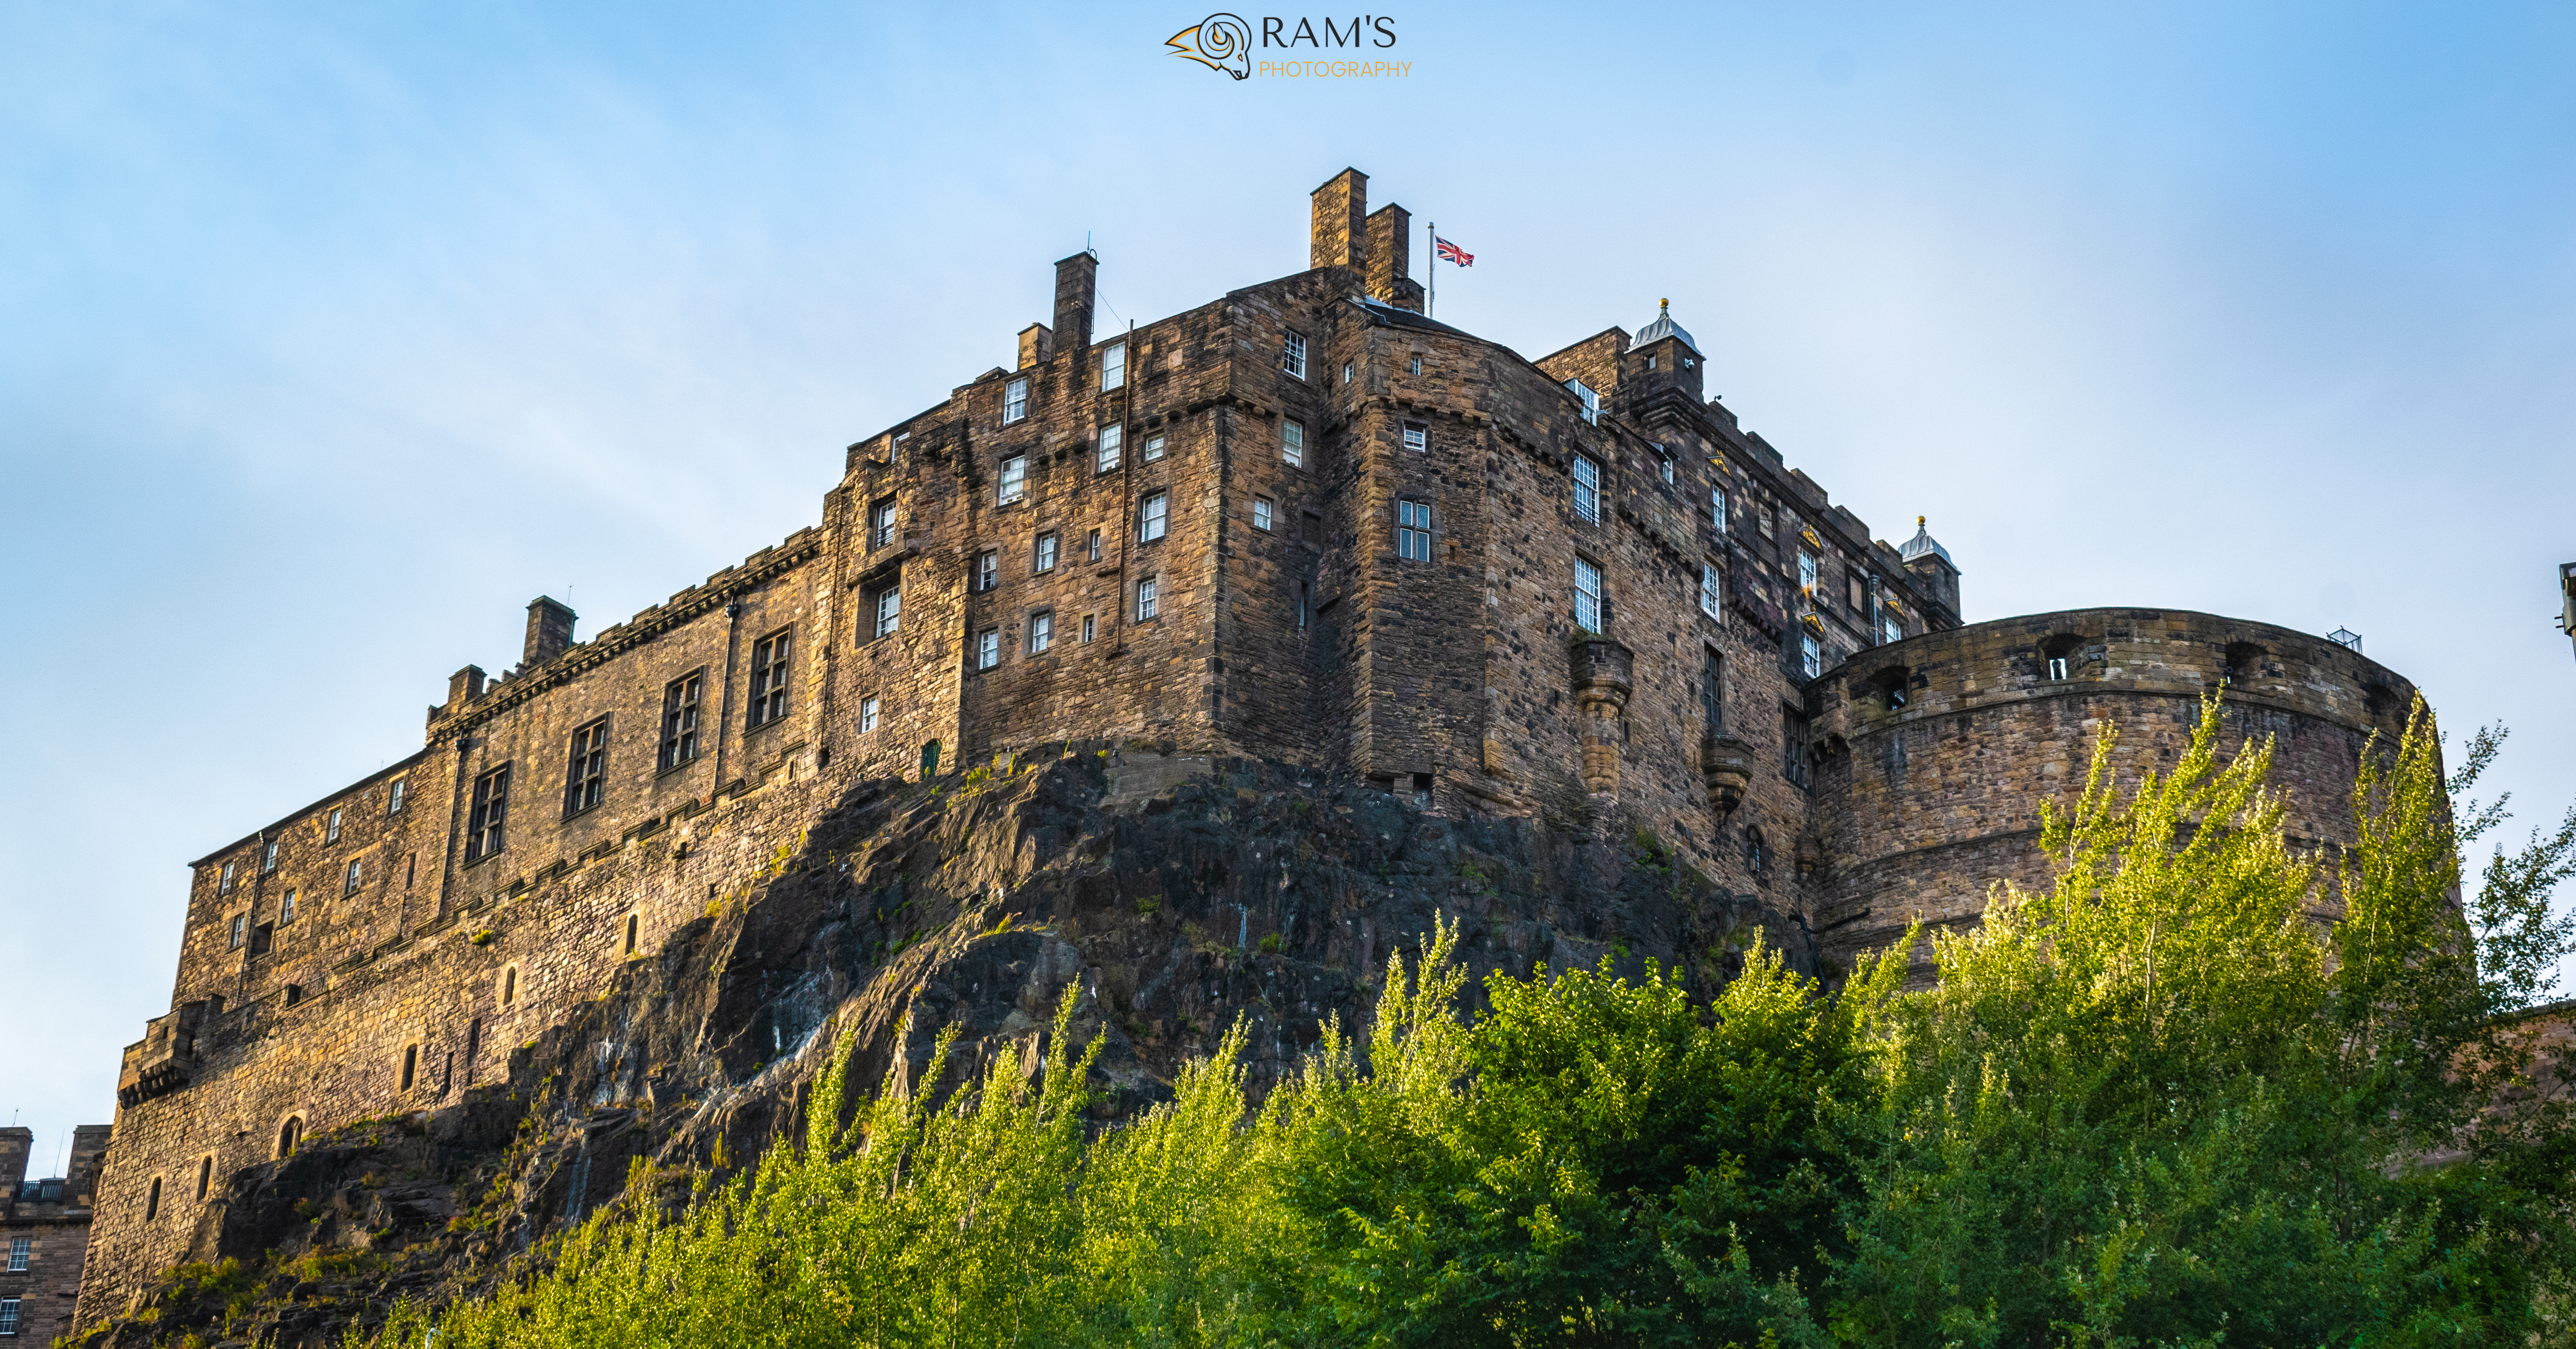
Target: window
{"type": "Point", "coordinates": [1858, 595]}
{"type": "Point", "coordinates": [988, 648]}
{"type": "Point", "coordinates": [1417, 437]}
{"type": "Point", "coordinates": [411, 864]}
{"type": "Point", "coordinates": [680, 718]}
{"type": "Point", "coordinates": [1793, 746]}
{"type": "Point", "coordinates": [1650, 362]}
{"type": "Point", "coordinates": [1584, 395]}
{"type": "Point", "coordinates": [1712, 690]}
{"type": "Point", "coordinates": [1422, 791]}
{"type": "Point", "coordinates": [1709, 595]}
{"type": "Point", "coordinates": [1041, 633]}
{"type": "Point", "coordinates": [19, 1247]}
{"type": "Point", "coordinates": [1292, 355]}
{"type": "Point", "coordinates": [1153, 448]}
{"type": "Point", "coordinates": [889, 610]}
{"type": "Point", "coordinates": [394, 798]}
{"type": "Point", "coordinates": [151, 1210]}
{"type": "Point", "coordinates": [894, 447]}
{"type": "Point", "coordinates": [1664, 464]}
{"type": "Point", "coordinates": [1015, 479]}
{"type": "Point", "coordinates": [1587, 596]}
{"type": "Point", "coordinates": [869, 708]}
{"type": "Point", "coordinates": [510, 987]}
{"type": "Point", "coordinates": [1093, 544]}
{"type": "Point", "coordinates": [2056, 667]}
{"type": "Point", "coordinates": [634, 932]}
{"type": "Point", "coordinates": [586, 777]}
{"type": "Point", "coordinates": [1113, 442]}
{"type": "Point", "coordinates": [1147, 592]}
{"type": "Point", "coordinates": [1891, 628]}
{"type": "Point", "coordinates": [330, 834]}
{"type": "Point", "coordinates": [1807, 575]}
{"type": "Point", "coordinates": [349, 880]}
{"type": "Point", "coordinates": [1087, 628]}
{"type": "Point", "coordinates": [1046, 552]}
{"type": "Point", "coordinates": [1347, 368]}
{"type": "Point", "coordinates": [929, 759]}
{"type": "Point", "coordinates": [1015, 401]}
{"type": "Point", "coordinates": [487, 829]}
{"type": "Point", "coordinates": [225, 885]}
{"type": "Point", "coordinates": [1305, 603]}
{"type": "Point", "coordinates": [1717, 509]}
{"type": "Point", "coordinates": [988, 570]}
{"type": "Point", "coordinates": [8, 1316]}
{"type": "Point", "coordinates": [881, 523]}
{"type": "Point", "coordinates": [1292, 443]}
{"type": "Point", "coordinates": [1413, 530]}
{"type": "Point", "coordinates": [1153, 515]}
{"type": "Point", "coordinates": [1417, 365]}
{"type": "Point", "coordinates": [1261, 513]}
{"type": "Point", "coordinates": [1811, 655]}
{"type": "Point", "coordinates": [1763, 518]}
{"type": "Point", "coordinates": [1587, 488]}
{"type": "Point", "coordinates": [769, 669]}
{"type": "Point", "coordinates": [410, 1071]}
{"type": "Point", "coordinates": [205, 1177]}
{"type": "Point", "coordinates": [286, 906]}
{"type": "Point", "coordinates": [1113, 366]}
{"type": "Point", "coordinates": [241, 930]}
{"type": "Point", "coordinates": [268, 853]}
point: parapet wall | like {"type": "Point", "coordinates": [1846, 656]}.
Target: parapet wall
{"type": "Point", "coordinates": [1926, 799]}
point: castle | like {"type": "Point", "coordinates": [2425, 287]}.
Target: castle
{"type": "Point", "coordinates": [1302, 522]}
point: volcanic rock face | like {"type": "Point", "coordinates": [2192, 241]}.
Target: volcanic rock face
{"type": "Point", "coordinates": [1180, 894]}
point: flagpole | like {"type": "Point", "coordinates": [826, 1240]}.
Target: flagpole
{"type": "Point", "coordinates": [1431, 308]}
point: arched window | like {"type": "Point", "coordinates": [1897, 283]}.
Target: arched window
{"type": "Point", "coordinates": [2243, 658]}
{"type": "Point", "coordinates": [1889, 686]}
{"type": "Point", "coordinates": [930, 760]}
{"type": "Point", "coordinates": [288, 1135]}
{"type": "Point", "coordinates": [1757, 855]}
{"type": "Point", "coordinates": [2058, 654]}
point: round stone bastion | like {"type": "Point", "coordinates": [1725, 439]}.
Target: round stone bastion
{"type": "Point", "coordinates": [1933, 754]}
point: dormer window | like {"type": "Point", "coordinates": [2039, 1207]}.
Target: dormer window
{"type": "Point", "coordinates": [1591, 401]}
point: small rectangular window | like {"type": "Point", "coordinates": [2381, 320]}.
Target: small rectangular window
{"type": "Point", "coordinates": [1041, 633]}
{"type": "Point", "coordinates": [224, 886]}
{"type": "Point", "coordinates": [586, 780]}
{"type": "Point", "coordinates": [1092, 544]}
{"type": "Point", "coordinates": [1153, 448]}
{"type": "Point", "coordinates": [286, 906]}
{"type": "Point", "coordinates": [394, 797]}
{"type": "Point", "coordinates": [988, 570]}
{"type": "Point", "coordinates": [680, 719]}
{"type": "Point", "coordinates": [1113, 441]}
{"type": "Point", "coordinates": [1417, 437]}
{"type": "Point", "coordinates": [1046, 552]}
{"type": "Point", "coordinates": [1153, 514]}
{"type": "Point", "coordinates": [881, 523]}
{"type": "Point", "coordinates": [1664, 465]}
{"type": "Point", "coordinates": [889, 610]}
{"type": "Point", "coordinates": [487, 829]}
{"type": "Point", "coordinates": [1148, 592]}
{"type": "Point", "coordinates": [1417, 365]}
{"type": "Point", "coordinates": [1261, 513]}
{"type": "Point", "coordinates": [1891, 628]}
{"type": "Point", "coordinates": [1015, 401]}
{"type": "Point", "coordinates": [1717, 509]}
{"type": "Point", "coordinates": [349, 881]}
{"type": "Point", "coordinates": [1088, 626]}
{"type": "Point", "coordinates": [988, 648]}
{"type": "Point", "coordinates": [1305, 603]}
{"type": "Point", "coordinates": [1709, 598]}
{"type": "Point", "coordinates": [1292, 355]}
{"type": "Point", "coordinates": [1793, 747]}
{"type": "Point", "coordinates": [268, 852]}
{"type": "Point", "coordinates": [1587, 488]}
{"type": "Point", "coordinates": [1587, 596]}
{"type": "Point", "coordinates": [868, 709]}
{"type": "Point", "coordinates": [1413, 530]}
{"type": "Point", "coordinates": [1015, 479]}
{"type": "Point", "coordinates": [1348, 368]}
{"type": "Point", "coordinates": [19, 1247]}
{"type": "Point", "coordinates": [1712, 691]}
{"type": "Point", "coordinates": [1113, 366]}
{"type": "Point", "coordinates": [2056, 667]}
{"type": "Point", "coordinates": [1292, 443]}
{"type": "Point", "coordinates": [1583, 394]}
{"type": "Point", "coordinates": [770, 663]}
{"type": "Point", "coordinates": [8, 1316]}
{"type": "Point", "coordinates": [330, 833]}
{"type": "Point", "coordinates": [1811, 656]}
{"type": "Point", "coordinates": [1807, 575]}
{"type": "Point", "coordinates": [240, 930]}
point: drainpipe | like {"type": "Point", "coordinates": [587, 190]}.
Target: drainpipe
{"type": "Point", "coordinates": [724, 726]}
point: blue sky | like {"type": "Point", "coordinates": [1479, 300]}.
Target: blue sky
{"type": "Point", "coordinates": [335, 333]}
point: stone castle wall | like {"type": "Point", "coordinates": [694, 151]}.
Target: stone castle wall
{"type": "Point", "coordinates": [1288, 625]}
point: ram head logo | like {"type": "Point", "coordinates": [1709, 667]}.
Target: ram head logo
{"type": "Point", "coordinates": [1219, 42]}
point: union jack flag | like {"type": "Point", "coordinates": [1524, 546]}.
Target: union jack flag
{"type": "Point", "coordinates": [1449, 252]}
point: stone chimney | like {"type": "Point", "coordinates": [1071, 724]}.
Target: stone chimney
{"type": "Point", "coordinates": [1037, 342]}
{"type": "Point", "coordinates": [89, 1145]}
{"type": "Point", "coordinates": [1075, 278]}
{"type": "Point", "coordinates": [1341, 229]}
{"type": "Point", "coordinates": [15, 1143]}
{"type": "Point", "coordinates": [549, 632]}
{"type": "Point", "coordinates": [1390, 258]}
{"type": "Point", "coordinates": [464, 686]}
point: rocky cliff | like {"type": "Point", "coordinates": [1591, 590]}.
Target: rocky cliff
{"type": "Point", "coordinates": [1183, 893]}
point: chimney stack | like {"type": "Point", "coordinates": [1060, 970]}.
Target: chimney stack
{"type": "Point", "coordinates": [549, 632]}
{"type": "Point", "coordinates": [80, 1173]}
{"type": "Point", "coordinates": [464, 686]}
{"type": "Point", "coordinates": [1390, 258]}
{"type": "Point", "coordinates": [16, 1142]}
{"type": "Point", "coordinates": [1075, 278]}
{"type": "Point", "coordinates": [1341, 229]}
{"type": "Point", "coordinates": [1037, 342]}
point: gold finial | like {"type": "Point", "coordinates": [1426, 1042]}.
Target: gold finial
{"type": "Point", "coordinates": [1664, 304]}
{"type": "Point", "coordinates": [1918, 522]}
